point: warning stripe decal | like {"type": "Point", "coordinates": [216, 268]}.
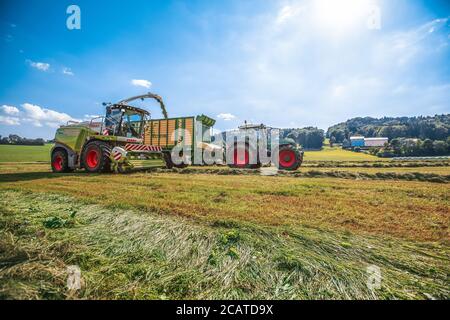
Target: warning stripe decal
{"type": "Point", "coordinates": [142, 147]}
{"type": "Point", "coordinates": [117, 155]}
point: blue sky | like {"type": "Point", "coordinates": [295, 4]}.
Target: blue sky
{"type": "Point", "coordinates": [283, 63]}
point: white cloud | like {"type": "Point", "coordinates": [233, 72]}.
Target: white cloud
{"type": "Point", "coordinates": [67, 71]}
{"type": "Point", "coordinates": [41, 116]}
{"type": "Point", "coordinates": [33, 114]}
{"type": "Point", "coordinates": [287, 12]}
{"type": "Point", "coordinates": [226, 116]}
{"type": "Point", "coordinates": [42, 66]}
{"type": "Point", "coordinates": [10, 121]}
{"type": "Point", "coordinates": [89, 117]}
{"type": "Point", "coordinates": [10, 110]}
{"type": "Point", "coordinates": [141, 83]}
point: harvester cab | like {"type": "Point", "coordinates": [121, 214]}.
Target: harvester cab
{"type": "Point", "coordinates": [110, 143]}
{"type": "Point", "coordinates": [124, 121]}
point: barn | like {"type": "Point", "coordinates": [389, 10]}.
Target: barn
{"type": "Point", "coordinates": [375, 142]}
{"type": "Point", "coordinates": [362, 142]}
{"type": "Point", "coordinates": [357, 142]}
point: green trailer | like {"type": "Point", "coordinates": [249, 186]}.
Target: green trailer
{"type": "Point", "coordinates": [192, 133]}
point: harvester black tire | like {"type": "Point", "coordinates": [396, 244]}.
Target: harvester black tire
{"type": "Point", "coordinates": [289, 158]}
{"type": "Point", "coordinates": [60, 162]}
{"type": "Point", "coordinates": [95, 157]}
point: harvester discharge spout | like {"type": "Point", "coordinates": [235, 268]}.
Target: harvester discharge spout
{"type": "Point", "coordinates": [149, 96]}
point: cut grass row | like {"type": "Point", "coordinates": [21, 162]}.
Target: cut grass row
{"type": "Point", "coordinates": [405, 209]}
{"type": "Point", "coordinates": [132, 254]}
{"type": "Point", "coordinates": [438, 170]}
{"type": "Point", "coordinates": [376, 164]}
{"type": "Point", "coordinates": [414, 175]}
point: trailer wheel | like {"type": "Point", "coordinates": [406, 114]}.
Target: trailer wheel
{"type": "Point", "coordinates": [95, 157]}
{"type": "Point", "coordinates": [289, 158]}
{"type": "Point", "coordinates": [60, 162]}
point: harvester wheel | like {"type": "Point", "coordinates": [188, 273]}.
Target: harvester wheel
{"type": "Point", "coordinates": [95, 157]}
{"type": "Point", "coordinates": [60, 162]}
{"type": "Point", "coordinates": [289, 158]}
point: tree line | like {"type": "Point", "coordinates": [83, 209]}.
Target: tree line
{"type": "Point", "coordinates": [308, 138]}
{"type": "Point", "coordinates": [18, 140]}
{"type": "Point", "coordinates": [432, 127]}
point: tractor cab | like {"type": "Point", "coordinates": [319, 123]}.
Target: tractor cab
{"type": "Point", "coordinates": [125, 121]}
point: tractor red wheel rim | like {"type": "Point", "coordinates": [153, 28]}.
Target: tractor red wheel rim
{"type": "Point", "coordinates": [240, 158]}
{"type": "Point", "coordinates": [287, 158]}
{"type": "Point", "coordinates": [92, 158]}
{"type": "Point", "coordinates": [58, 163]}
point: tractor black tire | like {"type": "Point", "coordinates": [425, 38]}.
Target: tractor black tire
{"type": "Point", "coordinates": [289, 158]}
{"type": "Point", "coordinates": [247, 157]}
{"type": "Point", "coordinates": [95, 157]}
{"type": "Point", "coordinates": [60, 162]}
{"type": "Point", "coordinates": [169, 163]}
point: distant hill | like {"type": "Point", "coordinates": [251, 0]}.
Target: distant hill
{"type": "Point", "coordinates": [434, 128]}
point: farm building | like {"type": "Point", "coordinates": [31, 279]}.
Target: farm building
{"type": "Point", "coordinates": [357, 142]}
{"type": "Point", "coordinates": [375, 142]}
{"type": "Point", "coordinates": [363, 142]}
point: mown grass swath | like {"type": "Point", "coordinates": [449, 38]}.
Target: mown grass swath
{"type": "Point", "coordinates": [124, 253]}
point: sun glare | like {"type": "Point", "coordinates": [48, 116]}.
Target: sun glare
{"type": "Point", "coordinates": [341, 15]}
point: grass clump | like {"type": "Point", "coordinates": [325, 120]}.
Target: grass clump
{"type": "Point", "coordinates": [230, 237]}
{"type": "Point", "coordinates": [288, 261]}
{"type": "Point", "coordinates": [55, 223]}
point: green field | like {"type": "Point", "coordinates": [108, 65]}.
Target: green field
{"type": "Point", "coordinates": [217, 233]}
{"type": "Point", "coordinates": [12, 153]}
{"type": "Point", "coordinates": [338, 154]}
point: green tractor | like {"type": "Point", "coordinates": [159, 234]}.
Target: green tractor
{"type": "Point", "coordinates": [110, 143]}
{"type": "Point", "coordinates": [290, 155]}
